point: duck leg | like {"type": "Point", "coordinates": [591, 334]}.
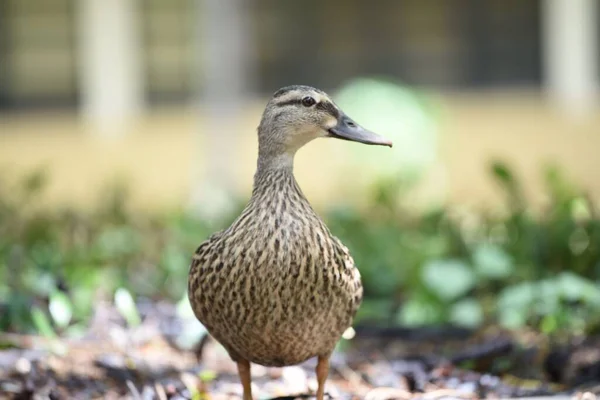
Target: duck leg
{"type": "Point", "coordinates": [322, 372]}
{"type": "Point", "coordinates": [244, 373]}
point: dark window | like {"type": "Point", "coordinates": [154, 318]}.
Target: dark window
{"type": "Point", "coordinates": [441, 43]}
{"type": "Point", "coordinates": [37, 54]}
{"type": "Point", "coordinates": [436, 42]}
{"type": "Point", "coordinates": [504, 43]}
{"type": "Point", "coordinates": [168, 33]}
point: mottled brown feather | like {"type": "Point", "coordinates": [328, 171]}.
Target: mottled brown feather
{"type": "Point", "coordinates": [275, 288]}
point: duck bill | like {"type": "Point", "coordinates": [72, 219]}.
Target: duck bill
{"type": "Point", "coordinates": [347, 129]}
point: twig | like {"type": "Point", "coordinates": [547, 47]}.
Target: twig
{"type": "Point", "coordinates": [489, 349]}
{"type": "Point", "coordinates": [136, 394]}
{"type": "Point", "coordinates": [299, 396]}
{"type": "Point", "coordinates": [417, 334]}
{"type": "Point", "coordinates": [353, 377]}
{"type": "Point", "coordinates": [160, 391]}
{"type": "Point", "coordinates": [447, 393]}
{"type": "Point", "coordinates": [383, 393]}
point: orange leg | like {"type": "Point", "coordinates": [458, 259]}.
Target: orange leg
{"type": "Point", "coordinates": [322, 372]}
{"type": "Point", "coordinates": [244, 373]}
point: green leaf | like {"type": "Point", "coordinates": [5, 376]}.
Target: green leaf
{"type": "Point", "coordinates": [117, 242]}
{"type": "Point", "coordinates": [549, 324]}
{"type": "Point", "coordinates": [60, 308]}
{"type": "Point", "coordinates": [174, 260]}
{"type": "Point", "coordinates": [207, 375]}
{"type": "Point", "coordinates": [374, 310]}
{"type": "Point", "coordinates": [502, 173]}
{"type": "Point", "coordinates": [513, 318]}
{"type": "Point", "coordinates": [193, 331]}
{"type": "Point", "coordinates": [42, 323]}
{"type": "Point", "coordinates": [126, 306]}
{"type": "Point", "coordinates": [76, 330]}
{"type": "Point", "coordinates": [35, 181]}
{"type": "Point", "coordinates": [581, 209]}
{"type": "Point", "coordinates": [449, 279]}
{"type": "Point", "coordinates": [467, 312]}
{"type": "Point", "coordinates": [83, 300]}
{"type": "Point", "coordinates": [184, 308]}
{"type": "Point", "coordinates": [418, 312]}
{"type": "Point", "coordinates": [575, 287]}
{"type": "Point", "coordinates": [42, 284]}
{"type": "Point", "coordinates": [516, 303]}
{"type": "Point", "coordinates": [517, 296]}
{"type": "Point", "coordinates": [505, 177]}
{"type": "Point", "coordinates": [492, 262]}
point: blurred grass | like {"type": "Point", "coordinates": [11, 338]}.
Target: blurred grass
{"type": "Point", "coordinates": [510, 266]}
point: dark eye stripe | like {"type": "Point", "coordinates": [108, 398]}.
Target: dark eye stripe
{"type": "Point", "coordinates": [328, 108]}
{"type": "Point", "coordinates": [290, 102]}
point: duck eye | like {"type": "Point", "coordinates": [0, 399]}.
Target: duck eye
{"type": "Point", "coordinates": [308, 101]}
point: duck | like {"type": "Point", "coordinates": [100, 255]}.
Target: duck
{"type": "Point", "coordinates": [276, 288]}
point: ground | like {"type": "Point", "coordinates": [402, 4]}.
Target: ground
{"type": "Point", "coordinates": [112, 361]}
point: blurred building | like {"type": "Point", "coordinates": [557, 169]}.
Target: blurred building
{"type": "Point", "coordinates": [458, 44]}
{"type": "Point", "coordinates": [106, 59]}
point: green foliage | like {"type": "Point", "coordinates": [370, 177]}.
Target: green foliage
{"type": "Point", "coordinates": [126, 306]}
{"type": "Point", "coordinates": [448, 265]}
{"type": "Point", "coordinates": [452, 266]}
{"type": "Point", "coordinates": [566, 301]}
{"type": "Point", "coordinates": [55, 263]}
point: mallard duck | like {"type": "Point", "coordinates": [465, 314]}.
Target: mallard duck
{"type": "Point", "coordinates": [277, 288]}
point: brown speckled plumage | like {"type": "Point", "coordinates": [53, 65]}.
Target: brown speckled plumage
{"type": "Point", "coordinates": [277, 288]}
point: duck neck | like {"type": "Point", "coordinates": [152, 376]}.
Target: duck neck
{"type": "Point", "coordinates": [275, 175]}
{"type": "Point", "coordinates": [273, 168]}
{"type": "Point", "coordinates": [280, 161]}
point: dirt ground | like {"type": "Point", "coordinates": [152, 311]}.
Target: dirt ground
{"type": "Point", "coordinates": [114, 361]}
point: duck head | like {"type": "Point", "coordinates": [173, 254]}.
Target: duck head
{"type": "Point", "coordinates": [295, 115]}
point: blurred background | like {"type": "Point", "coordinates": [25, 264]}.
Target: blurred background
{"type": "Point", "coordinates": [505, 76]}
{"type": "Point", "coordinates": [128, 134]}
